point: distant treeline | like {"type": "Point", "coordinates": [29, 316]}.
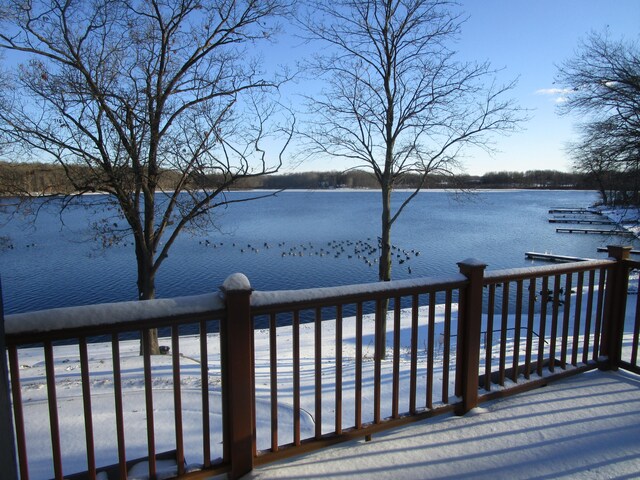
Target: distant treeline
{"type": "Point", "coordinates": [17, 179]}
{"type": "Point", "coordinates": [544, 179]}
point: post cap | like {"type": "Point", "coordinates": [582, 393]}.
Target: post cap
{"type": "Point", "coordinates": [471, 262]}
{"type": "Point", "coordinates": [236, 282]}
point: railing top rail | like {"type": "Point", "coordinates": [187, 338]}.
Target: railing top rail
{"type": "Point", "coordinates": [633, 263]}
{"type": "Point", "coordinates": [511, 274]}
{"type": "Point", "coordinates": [263, 302]}
{"type": "Point", "coordinates": [100, 319]}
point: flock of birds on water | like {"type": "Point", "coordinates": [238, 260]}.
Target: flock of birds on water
{"type": "Point", "coordinates": [367, 251]}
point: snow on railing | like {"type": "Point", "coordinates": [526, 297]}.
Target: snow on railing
{"type": "Point", "coordinates": [109, 314]}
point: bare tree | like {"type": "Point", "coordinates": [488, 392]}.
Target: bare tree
{"type": "Point", "coordinates": [397, 102]}
{"type": "Point", "coordinates": [595, 161]}
{"type": "Point", "coordinates": [149, 97]}
{"type": "Point", "coordinates": [603, 81]}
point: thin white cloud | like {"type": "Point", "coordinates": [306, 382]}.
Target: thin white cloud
{"type": "Point", "coordinates": [554, 91]}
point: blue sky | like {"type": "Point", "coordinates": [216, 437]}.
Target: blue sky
{"type": "Point", "coordinates": [528, 39]}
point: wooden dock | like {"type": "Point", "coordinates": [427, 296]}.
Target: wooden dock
{"type": "Point", "coordinates": [594, 231]}
{"type": "Point", "coordinates": [574, 210]}
{"type": "Point", "coordinates": [549, 257]}
{"type": "Point", "coordinates": [581, 221]}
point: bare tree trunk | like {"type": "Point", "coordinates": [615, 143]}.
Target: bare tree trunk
{"type": "Point", "coordinates": [147, 291]}
{"type": "Point", "coordinates": [603, 194]}
{"type": "Point", "coordinates": [384, 269]}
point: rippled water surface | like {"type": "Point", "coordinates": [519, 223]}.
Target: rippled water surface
{"type": "Point", "coordinates": [299, 239]}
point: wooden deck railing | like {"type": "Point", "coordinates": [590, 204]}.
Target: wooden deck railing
{"type": "Point", "coordinates": [623, 352]}
{"type": "Point", "coordinates": [383, 354]}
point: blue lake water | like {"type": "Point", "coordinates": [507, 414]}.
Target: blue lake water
{"type": "Point", "coordinates": [298, 239]}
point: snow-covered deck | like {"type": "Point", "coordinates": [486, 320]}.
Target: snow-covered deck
{"type": "Point", "coordinates": [586, 426]}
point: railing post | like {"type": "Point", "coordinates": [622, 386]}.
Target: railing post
{"type": "Point", "coordinates": [614, 308]}
{"type": "Point", "coordinates": [7, 439]}
{"type": "Point", "coordinates": [469, 326]}
{"type": "Point", "coordinates": [237, 342]}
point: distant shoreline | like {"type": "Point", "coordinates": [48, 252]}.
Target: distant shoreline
{"type": "Point", "coordinates": [34, 195]}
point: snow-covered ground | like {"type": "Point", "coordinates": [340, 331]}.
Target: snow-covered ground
{"type": "Point", "coordinates": [628, 218]}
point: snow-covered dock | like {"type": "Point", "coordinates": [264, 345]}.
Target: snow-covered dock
{"type": "Point", "coordinates": [574, 210]}
{"type": "Point", "coordinates": [549, 257]}
{"type": "Point", "coordinates": [581, 221]}
{"type": "Point", "coordinates": [594, 231]}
